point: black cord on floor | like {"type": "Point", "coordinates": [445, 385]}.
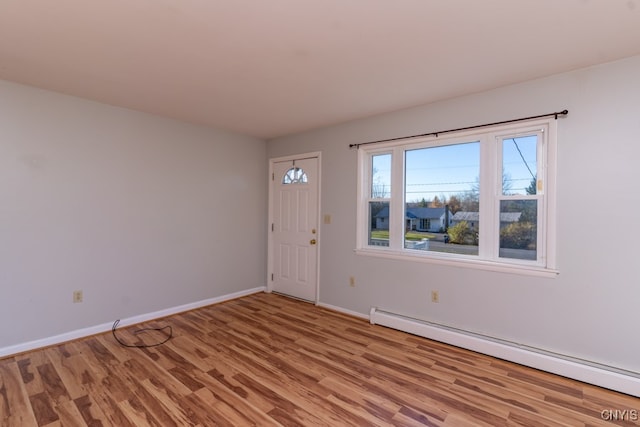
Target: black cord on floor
{"type": "Point", "coordinates": [169, 336]}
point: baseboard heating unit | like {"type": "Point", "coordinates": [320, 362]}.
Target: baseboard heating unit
{"type": "Point", "coordinates": [582, 370]}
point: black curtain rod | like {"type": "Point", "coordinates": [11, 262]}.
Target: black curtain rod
{"type": "Point", "coordinates": [556, 114]}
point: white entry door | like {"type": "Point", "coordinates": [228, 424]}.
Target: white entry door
{"type": "Point", "coordinates": [294, 230]}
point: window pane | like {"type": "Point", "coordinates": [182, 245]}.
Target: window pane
{"type": "Point", "coordinates": [519, 229]}
{"type": "Point", "coordinates": [440, 183]}
{"type": "Point", "coordinates": [381, 176]}
{"type": "Point", "coordinates": [519, 165]}
{"type": "Point", "coordinates": [378, 224]}
{"type": "Point", "coordinates": [294, 176]}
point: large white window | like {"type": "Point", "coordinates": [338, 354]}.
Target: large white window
{"type": "Point", "coordinates": [483, 198]}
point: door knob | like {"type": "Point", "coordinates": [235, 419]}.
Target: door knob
{"type": "Point", "coordinates": [312, 241]}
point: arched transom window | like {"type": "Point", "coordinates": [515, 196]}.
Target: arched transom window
{"type": "Point", "coordinates": [295, 175]}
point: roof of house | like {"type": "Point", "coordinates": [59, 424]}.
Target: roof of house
{"type": "Point", "coordinates": [415, 213]}
{"type": "Point", "coordinates": [475, 216]}
{"type": "Point", "coordinates": [466, 216]}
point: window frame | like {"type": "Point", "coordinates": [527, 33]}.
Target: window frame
{"type": "Point", "coordinates": [490, 179]}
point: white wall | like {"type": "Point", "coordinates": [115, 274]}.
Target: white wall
{"type": "Point", "coordinates": [592, 309]}
{"type": "Point", "coordinates": [140, 212]}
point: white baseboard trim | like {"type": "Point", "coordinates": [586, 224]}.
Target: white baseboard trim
{"type": "Point", "coordinates": [585, 371]}
{"type": "Point", "coordinates": [98, 329]}
{"type": "Point", "coordinates": [343, 310]}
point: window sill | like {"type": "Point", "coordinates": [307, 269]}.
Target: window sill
{"type": "Point", "coordinates": [520, 269]}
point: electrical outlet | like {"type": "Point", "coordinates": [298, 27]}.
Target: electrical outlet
{"type": "Point", "coordinates": [77, 296]}
{"type": "Point", "coordinates": [435, 296]}
{"type": "Point", "coordinates": [352, 281]}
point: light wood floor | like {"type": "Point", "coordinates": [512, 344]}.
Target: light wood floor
{"type": "Point", "coordinates": [268, 360]}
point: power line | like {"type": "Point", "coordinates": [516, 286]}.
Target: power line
{"type": "Point", "coordinates": [443, 183]}
{"type": "Point", "coordinates": [431, 184]}
{"type": "Point", "coordinates": [523, 159]}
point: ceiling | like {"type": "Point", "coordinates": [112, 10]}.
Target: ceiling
{"type": "Point", "coordinates": [269, 68]}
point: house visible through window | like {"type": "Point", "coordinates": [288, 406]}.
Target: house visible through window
{"type": "Point", "coordinates": [483, 197]}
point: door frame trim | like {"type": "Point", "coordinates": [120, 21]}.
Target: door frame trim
{"type": "Point", "coordinates": [270, 257]}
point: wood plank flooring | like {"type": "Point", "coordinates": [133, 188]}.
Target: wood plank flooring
{"type": "Point", "coordinates": [267, 360]}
